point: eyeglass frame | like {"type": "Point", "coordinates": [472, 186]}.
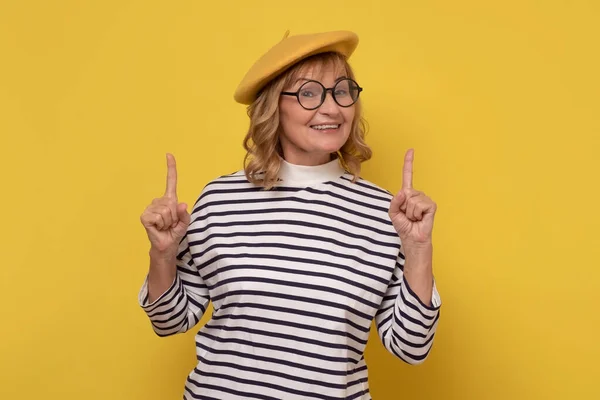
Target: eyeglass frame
{"type": "Point", "coordinates": [296, 94]}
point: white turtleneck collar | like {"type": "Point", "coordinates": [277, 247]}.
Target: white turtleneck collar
{"type": "Point", "coordinates": [294, 174]}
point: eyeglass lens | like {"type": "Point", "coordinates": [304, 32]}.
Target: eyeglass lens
{"type": "Point", "coordinates": [345, 93]}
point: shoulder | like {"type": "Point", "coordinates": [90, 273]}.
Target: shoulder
{"type": "Point", "coordinates": [234, 178]}
{"type": "Point", "coordinates": [223, 186]}
{"type": "Point", "coordinates": [364, 187]}
{"type": "Point", "coordinates": [361, 196]}
{"type": "Point", "coordinates": [365, 202]}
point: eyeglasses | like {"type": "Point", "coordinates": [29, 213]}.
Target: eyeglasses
{"type": "Point", "coordinates": [312, 93]}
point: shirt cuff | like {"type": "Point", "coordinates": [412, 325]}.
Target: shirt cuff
{"type": "Point", "coordinates": [165, 298]}
{"type": "Point", "coordinates": [412, 297]}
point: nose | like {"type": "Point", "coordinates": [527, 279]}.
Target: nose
{"type": "Point", "coordinates": [329, 106]}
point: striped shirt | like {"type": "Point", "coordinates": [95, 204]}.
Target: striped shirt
{"type": "Point", "coordinates": [296, 275]}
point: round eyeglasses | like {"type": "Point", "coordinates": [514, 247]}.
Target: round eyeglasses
{"type": "Point", "coordinates": [312, 93]}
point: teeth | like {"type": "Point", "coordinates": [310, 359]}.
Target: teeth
{"type": "Point", "coordinates": [321, 127]}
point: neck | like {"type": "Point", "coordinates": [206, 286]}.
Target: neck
{"type": "Point", "coordinates": [310, 160]}
{"type": "Point", "coordinates": [297, 174]}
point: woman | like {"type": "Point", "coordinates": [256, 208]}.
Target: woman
{"type": "Point", "coordinates": [297, 253]}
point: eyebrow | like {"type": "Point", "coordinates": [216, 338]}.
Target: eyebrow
{"type": "Point", "coordinates": [306, 79]}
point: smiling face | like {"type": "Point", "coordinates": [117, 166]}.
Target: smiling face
{"type": "Point", "coordinates": [309, 137]}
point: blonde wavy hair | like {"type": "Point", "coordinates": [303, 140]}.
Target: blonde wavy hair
{"type": "Point", "coordinates": [263, 149]}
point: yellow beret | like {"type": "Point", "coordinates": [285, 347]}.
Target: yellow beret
{"type": "Point", "coordinates": [286, 53]}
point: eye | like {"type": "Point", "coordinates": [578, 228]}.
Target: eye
{"type": "Point", "coordinates": [341, 92]}
{"type": "Point", "coordinates": [307, 93]}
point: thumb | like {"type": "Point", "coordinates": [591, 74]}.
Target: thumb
{"type": "Point", "coordinates": [396, 202]}
{"type": "Point", "coordinates": [182, 214]}
{"type": "Point", "coordinates": [184, 220]}
{"type": "Point", "coordinates": [402, 225]}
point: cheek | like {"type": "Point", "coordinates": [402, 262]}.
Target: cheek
{"type": "Point", "coordinates": [302, 117]}
{"type": "Point", "coordinates": [349, 116]}
{"type": "Point", "coordinates": [295, 119]}
{"type": "Point", "coordinates": [350, 113]}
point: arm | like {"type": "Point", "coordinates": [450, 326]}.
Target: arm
{"type": "Point", "coordinates": [409, 313]}
{"type": "Point", "coordinates": [181, 306]}
{"type": "Point", "coordinates": [173, 295]}
{"type": "Point", "coordinates": [406, 324]}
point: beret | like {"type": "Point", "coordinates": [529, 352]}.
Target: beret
{"type": "Point", "coordinates": [289, 51]}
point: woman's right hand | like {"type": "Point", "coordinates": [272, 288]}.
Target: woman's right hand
{"type": "Point", "coordinates": [165, 220]}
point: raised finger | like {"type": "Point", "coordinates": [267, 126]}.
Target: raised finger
{"type": "Point", "coordinates": [407, 170]}
{"type": "Point", "coordinates": [171, 190]}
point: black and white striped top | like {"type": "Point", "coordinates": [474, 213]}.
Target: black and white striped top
{"type": "Point", "coordinates": [296, 275]}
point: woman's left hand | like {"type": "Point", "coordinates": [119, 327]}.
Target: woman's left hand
{"type": "Point", "coordinates": [411, 211]}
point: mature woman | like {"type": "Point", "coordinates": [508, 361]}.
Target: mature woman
{"type": "Point", "coordinates": [297, 253]}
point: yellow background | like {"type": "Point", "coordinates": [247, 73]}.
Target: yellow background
{"type": "Point", "coordinates": [499, 99]}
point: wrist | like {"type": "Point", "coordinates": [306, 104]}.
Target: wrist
{"type": "Point", "coordinates": [418, 253]}
{"type": "Point", "coordinates": [160, 258]}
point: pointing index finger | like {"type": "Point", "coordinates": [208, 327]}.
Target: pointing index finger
{"type": "Point", "coordinates": [171, 190]}
{"type": "Point", "coordinates": [407, 171]}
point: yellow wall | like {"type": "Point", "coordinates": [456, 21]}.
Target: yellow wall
{"type": "Point", "coordinates": [500, 100]}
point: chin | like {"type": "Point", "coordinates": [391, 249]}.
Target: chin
{"type": "Point", "coordinates": [324, 143]}
{"type": "Point", "coordinates": [328, 149]}
{"type": "Point", "coordinates": [335, 144]}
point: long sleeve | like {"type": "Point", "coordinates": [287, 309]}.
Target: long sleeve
{"type": "Point", "coordinates": [405, 325]}
{"type": "Point", "coordinates": [181, 306]}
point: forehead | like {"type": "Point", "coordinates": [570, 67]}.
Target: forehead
{"type": "Point", "coordinates": [325, 71]}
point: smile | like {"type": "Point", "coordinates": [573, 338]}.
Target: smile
{"type": "Point", "coordinates": [325, 127]}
